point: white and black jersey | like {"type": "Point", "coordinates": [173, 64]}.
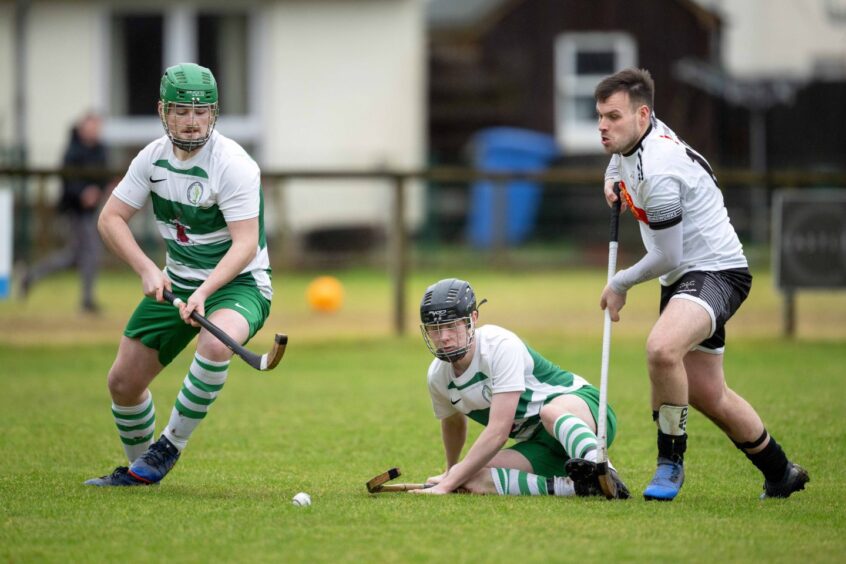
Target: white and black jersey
{"type": "Point", "coordinates": [666, 183]}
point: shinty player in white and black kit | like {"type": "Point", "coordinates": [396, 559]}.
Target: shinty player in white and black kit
{"type": "Point", "coordinates": [695, 253]}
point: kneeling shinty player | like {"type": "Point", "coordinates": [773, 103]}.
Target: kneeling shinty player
{"type": "Point", "coordinates": [488, 374]}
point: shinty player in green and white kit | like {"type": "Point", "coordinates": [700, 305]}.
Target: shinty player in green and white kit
{"type": "Point", "coordinates": [489, 375]}
{"type": "Point", "coordinates": [207, 201]}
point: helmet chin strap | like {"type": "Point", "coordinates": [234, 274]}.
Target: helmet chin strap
{"type": "Point", "coordinates": [452, 357]}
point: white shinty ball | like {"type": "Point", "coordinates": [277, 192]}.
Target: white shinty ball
{"type": "Point", "coordinates": [302, 499]}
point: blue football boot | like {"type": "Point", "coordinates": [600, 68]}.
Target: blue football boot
{"type": "Point", "coordinates": [667, 481]}
{"type": "Point", "coordinates": [154, 464]}
{"type": "Point", "coordinates": [795, 478]}
{"type": "Point", "coordinates": [120, 477]}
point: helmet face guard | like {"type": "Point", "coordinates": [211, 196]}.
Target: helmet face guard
{"type": "Point", "coordinates": [189, 105]}
{"type": "Point", "coordinates": [450, 340]}
{"type": "Point", "coordinates": [446, 313]}
{"type": "Point", "coordinates": [189, 118]}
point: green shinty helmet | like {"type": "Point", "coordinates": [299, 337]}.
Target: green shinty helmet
{"type": "Point", "coordinates": [191, 85]}
{"type": "Point", "coordinates": [188, 83]}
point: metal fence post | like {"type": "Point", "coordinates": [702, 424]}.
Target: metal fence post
{"type": "Point", "coordinates": [789, 312]}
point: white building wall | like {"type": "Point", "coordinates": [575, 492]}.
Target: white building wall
{"type": "Point", "coordinates": [7, 70]}
{"type": "Point", "coordinates": [346, 90]}
{"type": "Point", "coordinates": [785, 38]}
{"type": "Point", "coordinates": [62, 45]}
{"type": "Point", "coordinates": [343, 86]}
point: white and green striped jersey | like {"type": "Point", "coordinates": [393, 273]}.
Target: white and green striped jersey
{"type": "Point", "coordinates": [194, 200]}
{"type": "Point", "coordinates": [501, 363]}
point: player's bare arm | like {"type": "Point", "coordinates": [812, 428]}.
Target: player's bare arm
{"type": "Point", "coordinates": [490, 441]}
{"type": "Point", "coordinates": [113, 225]}
{"type": "Point", "coordinates": [454, 435]}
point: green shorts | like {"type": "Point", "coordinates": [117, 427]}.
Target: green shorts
{"type": "Point", "coordinates": [543, 451]}
{"type": "Point", "coordinates": [158, 325]}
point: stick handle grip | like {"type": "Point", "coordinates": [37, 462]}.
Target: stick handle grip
{"type": "Point", "coordinates": [205, 323]}
{"type": "Point", "coordinates": [215, 330]}
{"type": "Point", "coordinates": [615, 215]}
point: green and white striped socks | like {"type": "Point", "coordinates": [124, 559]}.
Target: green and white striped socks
{"type": "Point", "coordinates": [509, 481]}
{"type": "Point", "coordinates": [136, 425]}
{"type": "Point", "coordinates": [200, 388]}
{"type": "Point", "coordinates": [576, 437]}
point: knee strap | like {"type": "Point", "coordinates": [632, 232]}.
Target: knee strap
{"type": "Point", "coordinates": [754, 444]}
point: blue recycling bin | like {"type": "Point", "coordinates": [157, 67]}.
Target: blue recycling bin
{"type": "Point", "coordinates": [507, 149]}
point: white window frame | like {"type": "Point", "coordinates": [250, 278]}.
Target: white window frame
{"type": "Point", "coordinates": [180, 32]}
{"type": "Point", "coordinates": [577, 135]}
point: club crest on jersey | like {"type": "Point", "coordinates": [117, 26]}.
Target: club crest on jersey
{"type": "Point", "coordinates": [486, 392]}
{"type": "Point", "coordinates": [195, 193]}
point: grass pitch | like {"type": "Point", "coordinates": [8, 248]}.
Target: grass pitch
{"type": "Point", "coordinates": [349, 400]}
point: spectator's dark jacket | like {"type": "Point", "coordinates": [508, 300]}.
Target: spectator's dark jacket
{"type": "Point", "coordinates": [81, 156]}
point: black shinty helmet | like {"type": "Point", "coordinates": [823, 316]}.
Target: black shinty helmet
{"type": "Point", "coordinates": [444, 302]}
{"type": "Point", "coordinates": [447, 300]}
